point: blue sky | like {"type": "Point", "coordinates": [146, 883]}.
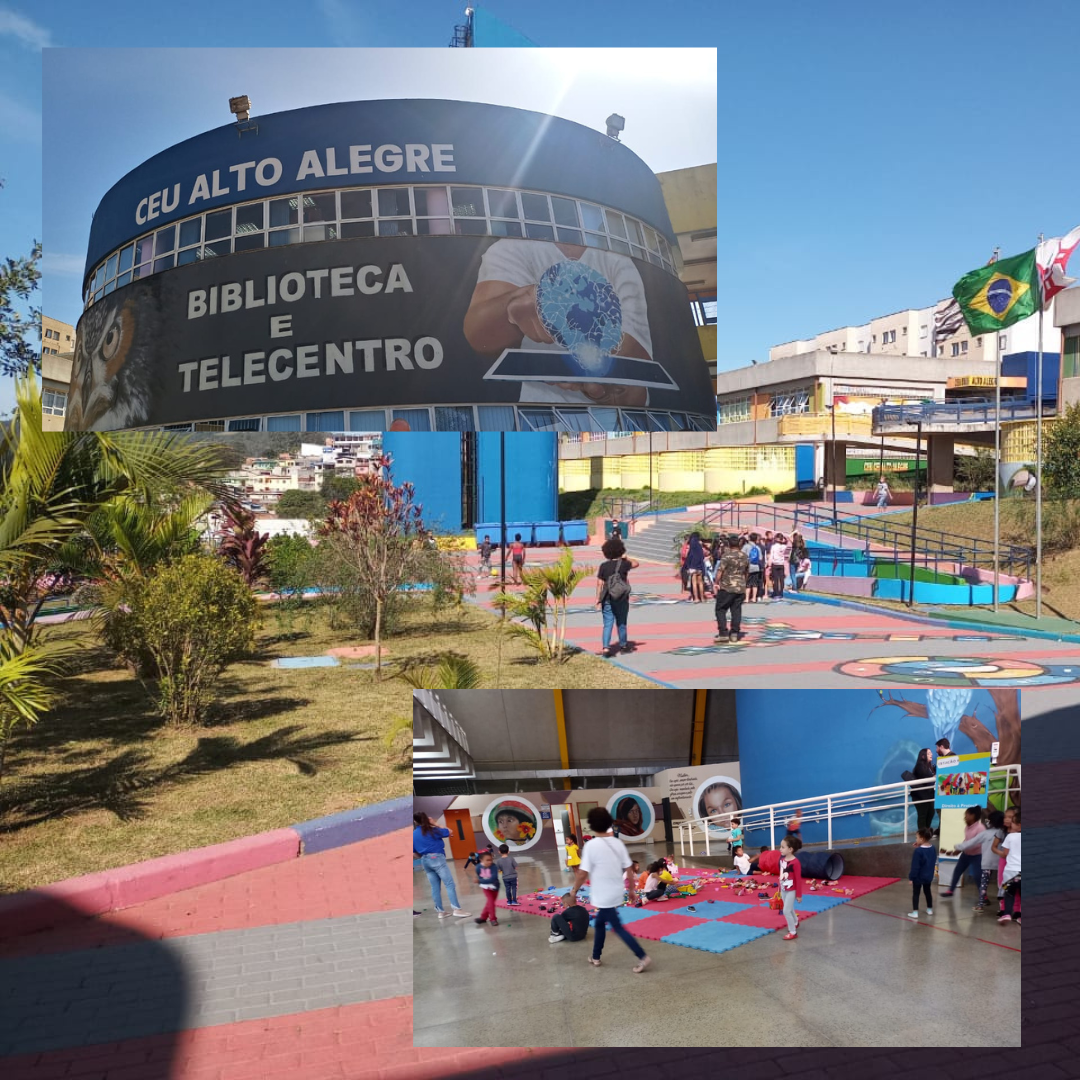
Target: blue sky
{"type": "Point", "coordinates": [865, 162]}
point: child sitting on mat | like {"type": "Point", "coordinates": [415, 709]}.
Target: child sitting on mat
{"type": "Point", "coordinates": [742, 862]}
{"type": "Point", "coordinates": [570, 924]}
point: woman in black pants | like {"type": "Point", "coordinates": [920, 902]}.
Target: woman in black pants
{"type": "Point", "coordinates": [922, 795]}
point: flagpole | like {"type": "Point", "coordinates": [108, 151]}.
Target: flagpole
{"type": "Point", "coordinates": [997, 469]}
{"type": "Point", "coordinates": [1038, 461]}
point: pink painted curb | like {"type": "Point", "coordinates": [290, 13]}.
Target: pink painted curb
{"type": "Point", "coordinates": [109, 890]}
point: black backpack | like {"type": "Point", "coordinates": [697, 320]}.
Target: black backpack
{"type": "Point", "coordinates": [617, 586]}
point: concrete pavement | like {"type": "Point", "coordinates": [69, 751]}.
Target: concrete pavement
{"type": "Point", "coordinates": [803, 642]}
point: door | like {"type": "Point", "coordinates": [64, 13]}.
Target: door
{"type": "Point", "coordinates": [462, 838]}
{"type": "Point", "coordinates": [583, 809]}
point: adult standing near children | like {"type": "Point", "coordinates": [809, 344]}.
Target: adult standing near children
{"type": "Point", "coordinates": [731, 581]}
{"type": "Point", "coordinates": [607, 867]}
{"type": "Point", "coordinates": [922, 794]}
{"type": "Point", "coordinates": [428, 846]}
{"type": "Point", "coordinates": [694, 568]}
{"type": "Point", "coordinates": [613, 592]}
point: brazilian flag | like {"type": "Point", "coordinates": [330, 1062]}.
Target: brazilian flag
{"type": "Point", "coordinates": [999, 295]}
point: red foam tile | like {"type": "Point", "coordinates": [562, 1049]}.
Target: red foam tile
{"type": "Point", "coordinates": [656, 926]}
{"type": "Point", "coordinates": [763, 915]}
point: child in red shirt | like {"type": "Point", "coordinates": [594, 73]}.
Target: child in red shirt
{"type": "Point", "coordinates": [790, 883]}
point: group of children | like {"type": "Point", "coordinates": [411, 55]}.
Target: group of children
{"type": "Point", "coordinates": [988, 833]}
{"type": "Point", "coordinates": [488, 869]}
{"type": "Point", "coordinates": [772, 558]}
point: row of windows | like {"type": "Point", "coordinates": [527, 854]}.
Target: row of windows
{"type": "Point", "coordinates": [53, 402]}
{"type": "Point", "coordinates": [54, 352]}
{"type": "Point", "coordinates": [50, 334]}
{"type": "Point", "coordinates": [733, 410]}
{"type": "Point", "coordinates": [467, 418]}
{"type": "Point", "coordinates": [389, 211]}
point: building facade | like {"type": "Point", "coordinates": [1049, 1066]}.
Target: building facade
{"type": "Point", "coordinates": [468, 267]}
{"type": "Point", "coordinates": [57, 349]}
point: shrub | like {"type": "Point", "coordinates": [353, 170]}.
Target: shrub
{"type": "Point", "coordinates": [291, 567]}
{"type": "Point", "coordinates": [193, 617]}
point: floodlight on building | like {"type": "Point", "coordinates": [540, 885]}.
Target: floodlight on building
{"type": "Point", "coordinates": [240, 106]}
{"type": "Point", "coordinates": [615, 124]}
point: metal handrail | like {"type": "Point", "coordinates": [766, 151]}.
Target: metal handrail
{"type": "Point", "coordinates": [826, 808]}
{"type": "Point", "coordinates": [1015, 560]}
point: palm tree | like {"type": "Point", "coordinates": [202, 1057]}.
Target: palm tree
{"type": "Point", "coordinates": [51, 486]}
{"type": "Point", "coordinates": [453, 672]}
{"type": "Point", "coordinates": [543, 604]}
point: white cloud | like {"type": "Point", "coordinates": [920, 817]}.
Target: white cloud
{"type": "Point", "coordinates": [25, 30]}
{"type": "Point", "coordinates": [68, 265]}
{"type": "Point", "coordinates": [19, 121]}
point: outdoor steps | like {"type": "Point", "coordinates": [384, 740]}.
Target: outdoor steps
{"type": "Point", "coordinates": [653, 539]}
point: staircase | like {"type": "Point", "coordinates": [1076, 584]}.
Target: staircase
{"type": "Point", "coordinates": [653, 539]}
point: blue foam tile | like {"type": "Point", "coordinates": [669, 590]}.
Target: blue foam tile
{"type": "Point", "coordinates": [706, 909]}
{"type": "Point", "coordinates": [306, 661]}
{"type": "Point", "coordinates": [562, 890]}
{"type": "Point", "coordinates": [715, 937]}
{"type": "Point", "coordinates": [813, 902]}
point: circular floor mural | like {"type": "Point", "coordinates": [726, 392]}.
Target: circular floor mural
{"type": "Point", "coordinates": [959, 671]}
{"type": "Point", "coordinates": [514, 821]}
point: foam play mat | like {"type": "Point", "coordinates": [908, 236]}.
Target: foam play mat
{"type": "Point", "coordinates": [722, 912]}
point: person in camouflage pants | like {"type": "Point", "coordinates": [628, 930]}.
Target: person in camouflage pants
{"type": "Point", "coordinates": [730, 590]}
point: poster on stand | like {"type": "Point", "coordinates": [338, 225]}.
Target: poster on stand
{"type": "Point", "coordinates": [962, 780]}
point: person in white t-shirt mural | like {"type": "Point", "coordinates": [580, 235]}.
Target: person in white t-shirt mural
{"type": "Point", "coordinates": [504, 314]}
{"type": "Point", "coordinates": [607, 867]}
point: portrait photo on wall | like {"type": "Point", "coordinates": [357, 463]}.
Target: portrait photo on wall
{"type": "Point", "coordinates": [632, 813]}
{"type": "Point", "coordinates": [514, 821]}
{"type": "Point", "coordinates": [718, 795]}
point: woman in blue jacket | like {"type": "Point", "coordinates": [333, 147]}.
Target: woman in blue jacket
{"type": "Point", "coordinates": [428, 846]}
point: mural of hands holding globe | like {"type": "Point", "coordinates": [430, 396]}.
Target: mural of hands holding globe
{"type": "Point", "coordinates": [587, 304]}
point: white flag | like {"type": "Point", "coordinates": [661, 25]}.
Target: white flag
{"type": "Point", "coordinates": [1051, 257]}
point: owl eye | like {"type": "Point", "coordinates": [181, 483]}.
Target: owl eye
{"type": "Point", "coordinates": [111, 342]}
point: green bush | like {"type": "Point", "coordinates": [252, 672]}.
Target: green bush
{"type": "Point", "coordinates": [193, 617]}
{"type": "Point", "coordinates": [292, 567]}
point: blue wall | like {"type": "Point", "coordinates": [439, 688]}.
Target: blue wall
{"type": "Point", "coordinates": [431, 462]}
{"type": "Point", "coordinates": [532, 476]}
{"type": "Point", "coordinates": [821, 741]}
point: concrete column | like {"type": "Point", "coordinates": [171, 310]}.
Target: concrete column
{"type": "Point", "coordinates": [841, 465]}
{"type": "Point", "coordinates": [941, 448]}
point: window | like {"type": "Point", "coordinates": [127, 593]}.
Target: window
{"type": "Point", "coordinates": [904, 332]}
{"type": "Point", "coordinates": [963, 346]}
{"type": "Point", "coordinates": [1003, 341]}
{"type": "Point", "coordinates": [394, 202]}
{"type": "Point", "coordinates": [53, 402]}
{"type": "Point", "coordinates": [922, 330]}
{"type": "Point", "coordinates": [956, 348]}
{"type": "Point", "coordinates": [535, 207]}
{"type": "Point", "coordinates": [502, 204]}
{"type": "Point", "coordinates": [355, 204]}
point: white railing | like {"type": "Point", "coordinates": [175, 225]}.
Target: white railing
{"type": "Point", "coordinates": [827, 808]}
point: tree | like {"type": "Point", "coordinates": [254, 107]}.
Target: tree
{"type": "Point", "coordinates": [307, 505]}
{"type": "Point", "coordinates": [291, 562]}
{"type": "Point", "coordinates": [375, 536]}
{"type": "Point", "coordinates": [337, 488]}
{"type": "Point", "coordinates": [243, 547]}
{"type": "Point", "coordinates": [548, 590]}
{"type": "Point", "coordinates": [193, 616]}
{"type": "Point", "coordinates": [976, 473]}
{"type": "Point", "coordinates": [51, 486]}
{"type": "Point", "coordinates": [19, 279]}
{"type": "Point", "coordinates": [1061, 454]}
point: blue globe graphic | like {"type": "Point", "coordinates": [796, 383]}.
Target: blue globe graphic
{"type": "Point", "coordinates": [999, 294]}
{"type": "Point", "coordinates": [579, 309]}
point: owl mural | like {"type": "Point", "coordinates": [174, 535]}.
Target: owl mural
{"type": "Point", "coordinates": [111, 380]}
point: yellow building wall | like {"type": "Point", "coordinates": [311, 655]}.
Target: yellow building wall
{"type": "Point", "coordinates": [707, 337]}
{"type": "Point", "coordinates": [690, 195]}
{"type": "Point", "coordinates": [731, 469]}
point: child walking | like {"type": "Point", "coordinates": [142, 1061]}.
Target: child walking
{"type": "Point", "coordinates": [487, 873]}
{"type": "Point", "coordinates": [794, 826]}
{"type": "Point", "coordinates": [923, 860]}
{"type": "Point", "coordinates": [984, 842]}
{"type": "Point", "coordinates": [1010, 848]}
{"type": "Point", "coordinates": [1010, 814]}
{"type": "Point", "coordinates": [790, 883]}
{"type": "Point", "coordinates": [969, 855]}
{"type": "Point", "coordinates": [507, 864]}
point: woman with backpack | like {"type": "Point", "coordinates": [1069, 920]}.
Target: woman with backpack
{"type": "Point", "coordinates": [613, 591]}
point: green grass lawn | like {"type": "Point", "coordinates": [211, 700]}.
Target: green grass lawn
{"type": "Point", "coordinates": [101, 782]}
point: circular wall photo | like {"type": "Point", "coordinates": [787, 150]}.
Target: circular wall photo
{"type": "Point", "coordinates": [514, 821]}
{"type": "Point", "coordinates": [717, 795]}
{"type": "Point", "coordinates": [633, 813]}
